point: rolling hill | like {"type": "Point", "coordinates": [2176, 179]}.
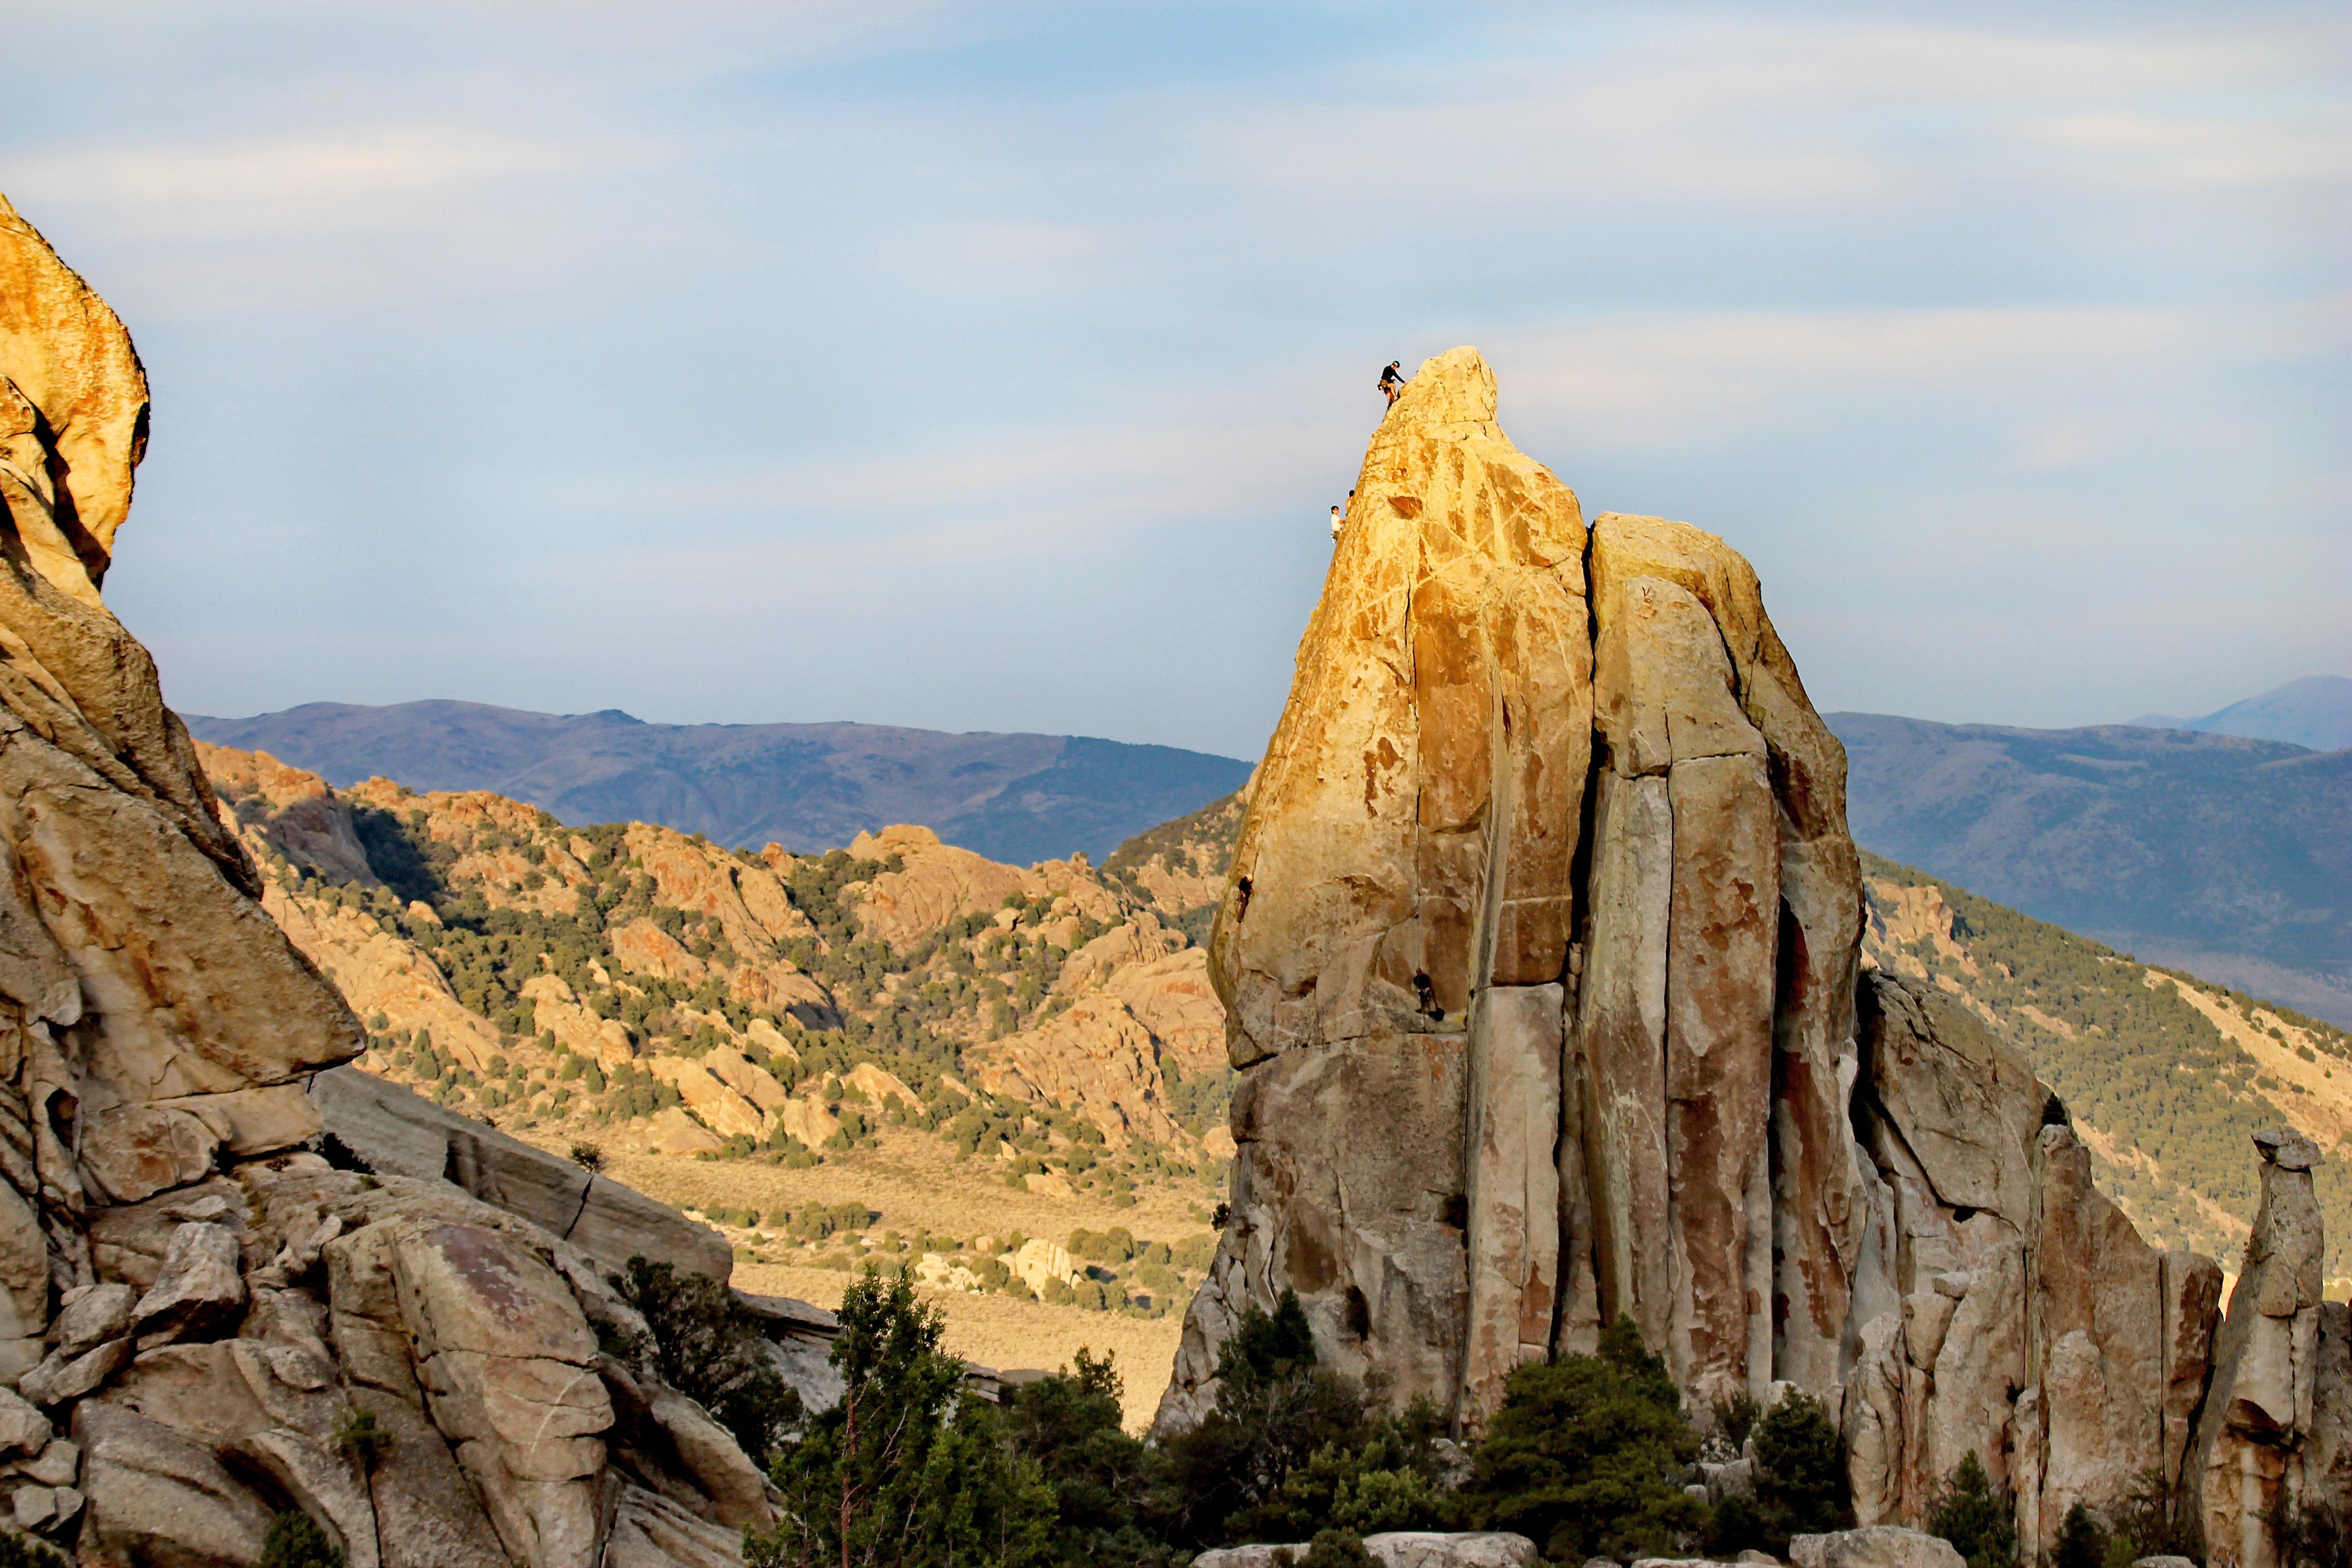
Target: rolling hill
{"type": "Point", "coordinates": [805, 786]}
{"type": "Point", "coordinates": [2313, 713]}
{"type": "Point", "coordinates": [1009, 1081]}
{"type": "Point", "coordinates": [2222, 854]}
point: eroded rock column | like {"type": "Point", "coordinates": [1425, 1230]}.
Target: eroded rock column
{"type": "Point", "coordinates": [2246, 1460]}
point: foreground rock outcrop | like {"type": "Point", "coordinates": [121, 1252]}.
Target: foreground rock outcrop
{"type": "Point", "coordinates": [1540, 954]}
{"type": "Point", "coordinates": [1396, 1549]}
{"type": "Point", "coordinates": [203, 1322]}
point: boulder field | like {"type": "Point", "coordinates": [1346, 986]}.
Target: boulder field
{"type": "Point", "coordinates": [1540, 955]}
{"type": "Point", "coordinates": [203, 1322]}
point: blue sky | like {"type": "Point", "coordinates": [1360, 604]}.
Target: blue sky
{"type": "Point", "coordinates": [992, 366]}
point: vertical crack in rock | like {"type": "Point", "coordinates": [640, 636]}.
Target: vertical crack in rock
{"type": "Point", "coordinates": [1552, 905]}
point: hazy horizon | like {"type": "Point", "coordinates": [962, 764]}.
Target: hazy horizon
{"type": "Point", "coordinates": [992, 367]}
{"type": "Point", "coordinates": [2145, 719]}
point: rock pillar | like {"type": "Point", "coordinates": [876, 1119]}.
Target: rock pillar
{"type": "Point", "coordinates": [2246, 1458]}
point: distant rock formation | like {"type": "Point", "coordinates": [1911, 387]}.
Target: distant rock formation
{"type": "Point", "coordinates": [1540, 954]}
{"type": "Point", "coordinates": [195, 1308]}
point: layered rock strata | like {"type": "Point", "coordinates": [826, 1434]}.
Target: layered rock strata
{"type": "Point", "coordinates": [203, 1323]}
{"type": "Point", "coordinates": [1541, 957]}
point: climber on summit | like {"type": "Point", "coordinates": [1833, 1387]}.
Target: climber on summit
{"type": "Point", "coordinates": [1391, 383]}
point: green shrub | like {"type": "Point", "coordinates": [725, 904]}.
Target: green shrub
{"type": "Point", "coordinates": [2151, 1520]}
{"type": "Point", "coordinates": [296, 1541]}
{"type": "Point", "coordinates": [1801, 1478]}
{"type": "Point", "coordinates": [2082, 1540]}
{"type": "Point", "coordinates": [23, 1551]}
{"type": "Point", "coordinates": [1734, 1525]}
{"type": "Point", "coordinates": [1336, 1549]}
{"type": "Point", "coordinates": [362, 1436]}
{"type": "Point", "coordinates": [1585, 1456]}
{"type": "Point", "coordinates": [909, 1469]}
{"type": "Point", "coordinates": [708, 1345]}
{"type": "Point", "coordinates": [1382, 1475]}
{"type": "Point", "coordinates": [1978, 1518]}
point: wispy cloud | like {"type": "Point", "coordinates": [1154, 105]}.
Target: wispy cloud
{"type": "Point", "coordinates": [318, 185]}
{"type": "Point", "coordinates": [1702, 379]}
{"type": "Point", "coordinates": [994, 361]}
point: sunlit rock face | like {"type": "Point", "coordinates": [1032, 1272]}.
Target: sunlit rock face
{"type": "Point", "coordinates": [1502, 948]}
{"type": "Point", "coordinates": [1540, 953]}
{"type": "Point", "coordinates": [192, 1303]}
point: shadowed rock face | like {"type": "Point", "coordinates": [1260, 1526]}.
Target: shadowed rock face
{"type": "Point", "coordinates": [1540, 954]}
{"type": "Point", "coordinates": [186, 1289]}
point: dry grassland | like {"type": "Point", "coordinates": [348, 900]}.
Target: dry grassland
{"type": "Point", "coordinates": [913, 1181]}
{"type": "Point", "coordinates": [917, 1183]}
{"type": "Point", "coordinates": [1003, 1334]}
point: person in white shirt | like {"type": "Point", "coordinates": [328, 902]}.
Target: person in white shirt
{"type": "Point", "coordinates": [1338, 522]}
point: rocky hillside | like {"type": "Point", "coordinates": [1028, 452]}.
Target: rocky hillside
{"type": "Point", "coordinates": [1177, 868]}
{"type": "Point", "coordinates": [2216, 853]}
{"type": "Point", "coordinates": [1043, 1027]}
{"type": "Point", "coordinates": [805, 786]}
{"type": "Point", "coordinates": [1102, 1012]}
{"type": "Point", "coordinates": [2166, 1076]}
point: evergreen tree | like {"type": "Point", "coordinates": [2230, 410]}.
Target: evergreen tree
{"type": "Point", "coordinates": [1586, 1454]}
{"type": "Point", "coordinates": [1978, 1518]}
{"type": "Point", "coordinates": [1105, 1482]}
{"type": "Point", "coordinates": [1276, 1408]}
{"type": "Point", "coordinates": [708, 1345]}
{"type": "Point", "coordinates": [909, 1469]}
{"type": "Point", "coordinates": [2082, 1540]}
{"type": "Point", "coordinates": [1801, 1479]}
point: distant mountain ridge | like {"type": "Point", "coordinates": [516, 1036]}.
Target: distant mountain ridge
{"type": "Point", "coordinates": [1018, 798]}
{"type": "Point", "coordinates": [2313, 713]}
{"type": "Point", "coordinates": [2226, 855]}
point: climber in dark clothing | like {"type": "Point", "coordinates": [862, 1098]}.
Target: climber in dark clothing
{"type": "Point", "coordinates": [1391, 383]}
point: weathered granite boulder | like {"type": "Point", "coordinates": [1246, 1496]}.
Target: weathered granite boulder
{"type": "Point", "coordinates": [23, 1429]}
{"type": "Point", "coordinates": [1436, 1548]}
{"type": "Point", "coordinates": [1396, 1549]}
{"type": "Point", "coordinates": [1873, 1546]}
{"type": "Point", "coordinates": [2007, 1308]}
{"type": "Point", "coordinates": [399, 1131]}
{"type": "Point", "coordinates": [198, 1302]}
